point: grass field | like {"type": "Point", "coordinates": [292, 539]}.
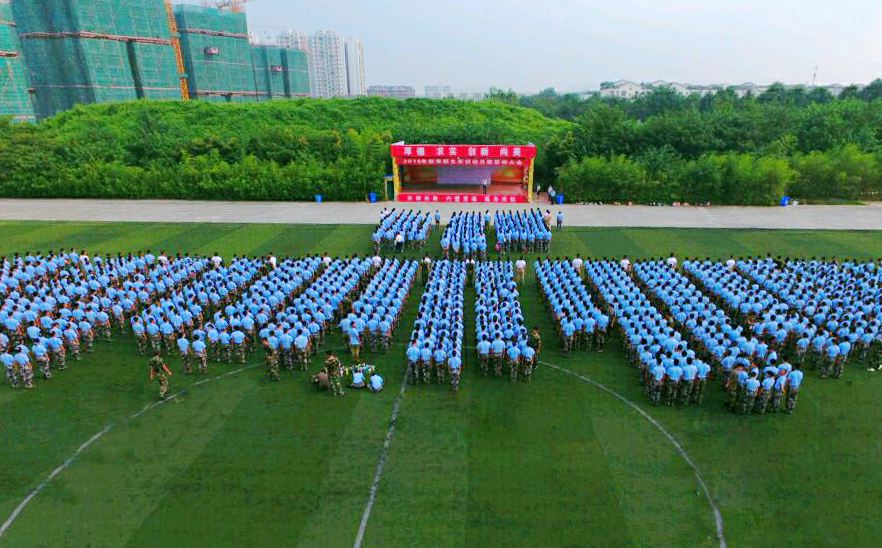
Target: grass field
{"type": "Point", "coordinates": [243, 462]}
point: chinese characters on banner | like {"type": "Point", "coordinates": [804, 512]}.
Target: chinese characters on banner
{"type": "Point", "coordinates": [423, 197]}
{"type": "Point", "coordinates": [403, 152]}
{"type": "Point", "coordinates": [461, 162]}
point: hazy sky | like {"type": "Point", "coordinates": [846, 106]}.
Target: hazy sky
{"type": "Point", "coordinates": [575, 44]}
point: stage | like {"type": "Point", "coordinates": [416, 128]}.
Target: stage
{"type": "Point", "coordinates": [463, 173]}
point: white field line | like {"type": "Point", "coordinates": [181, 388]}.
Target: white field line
{"type": "Point", "coordinates": [718, 516]}
{"type": "Point", "coordinates": [70, 460]}
{"type": "Point", "coordinates": [381, 465]}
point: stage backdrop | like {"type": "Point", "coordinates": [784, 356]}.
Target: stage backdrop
{"type": "Point", "coordinates": [462, 175]}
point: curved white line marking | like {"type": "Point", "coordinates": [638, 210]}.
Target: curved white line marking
{"type": "Point", "coordinates": [381, 465]}
{"type": "Point", "coordinates": [70, 460]}
{"type": "Point", "coordinates": [718, 516]}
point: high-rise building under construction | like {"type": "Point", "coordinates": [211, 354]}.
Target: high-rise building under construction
{"type": "Point", "coordinates": [15, 98]}
{"type": "Point", "coordinates": [88, 51]}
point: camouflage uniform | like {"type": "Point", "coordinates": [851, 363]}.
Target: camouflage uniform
{"type": "Point", "coordinates": [104, 330]}
{"type": "Point", "coordinates": [27, 375]}
{"type": "Point", "coordinates": [441, 372]}
{"type": "Point", "coordinates": [698, 391]}
{"type": "Point", "coordinates": [141, 338]}
{"type": "Point", "coordinates": [655, 392]}
{"type": "Point", "coordinates": [156, 343]}
{"type": "Point", "coordinates": [272, 364]}
{"type": "Point", "coordinates": [335, 374]}
{"type": "Point", "coordinates": [12, 376]}
{"type": "Point", "coordinates": [157, 371]}
{"type": "Point", "coordinates": [44, 364]}
{"type": "Point", "coordinates": [747, 402]}
{"type": "Point", "coordinates": [59, 356]}
{"type": "Point", "coordinates": [762, 402]}
{"type": "Point", "coordinates": [684, 391]}
{"type": "Point", "coordinates": [88, 339]}
{"type": "Point", "coordinates": [202, 362]}
{"type": "Point", "coordinates": [185, 359]}
{"type": "Point", "coordinates": [671, 388]}
{"type": "Point", "coordinates": [239, 353]}
{"type": "Point", "coordinates": [792, 395]}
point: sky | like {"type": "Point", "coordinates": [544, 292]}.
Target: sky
{"type": "Point", "coordinates": [573, 45]}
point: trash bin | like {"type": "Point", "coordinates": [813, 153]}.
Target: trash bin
{"type": "Point", "coordinates": [559, 199]}
{"type": "Point", "coordinates": [318, 198]}
{"type": "Point", "coordinates": [372, 197]}
{"type": "Point", "coordinates": [785, 201]}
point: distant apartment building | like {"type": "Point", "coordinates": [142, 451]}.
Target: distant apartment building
{"type": "Point", "coordinates": [293, 39]}
{"type": "Point", "coordinates": [626, 89]}
{"type": "Point", "coordinates": [438, 92]}
{"type": "Point", "coordinates": [353, 50]}
{"type": "Point", "coordinates": [447, 92]}
{"type": "Point", "coordinates": [328, 56]}
{"type": "Point", "coordinates": [395, 92]}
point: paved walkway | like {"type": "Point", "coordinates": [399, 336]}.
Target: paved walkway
{"type": "Point", "coordinates": [863, 217]}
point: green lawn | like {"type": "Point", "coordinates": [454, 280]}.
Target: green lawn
{"type": "Point", "coordinates": [245, 462]}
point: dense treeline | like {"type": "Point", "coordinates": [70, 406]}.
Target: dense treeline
{"type": "Point", "coordinates": [285, 150]}
{"type": "Point", "coordinates": [660, 147]}
{"type": "Point", "coordinates": [665, 147]}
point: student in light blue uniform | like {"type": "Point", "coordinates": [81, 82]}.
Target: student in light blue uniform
{"type": "Point", "coordinates": [794, 382]}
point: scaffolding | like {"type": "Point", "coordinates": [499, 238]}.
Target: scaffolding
{"type": "Point", "coordinates": [88, 51]}
{"type": "Point", "coordinates": [217, 54]}
{"type": "Point", "coordinates": [15, 99]}
{"type": "Point", "coordinates": [280, 72]}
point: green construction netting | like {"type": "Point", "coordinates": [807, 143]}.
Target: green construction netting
{"type": "Point", "coordinates": [15, 100]}
{"type": "Point", "coordinates": [70, 70]}
{"type": "Point", "coordinates": [280, 72]}
{"type": "Point", "coordinates": [219, 66]}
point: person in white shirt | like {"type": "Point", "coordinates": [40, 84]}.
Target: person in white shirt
{"type": "Point", "coordinates": [377, 261]}
{"type": "Point", "coordinates": [730, 264]}
{"type": "Point", "coordinates": [162, 259]}
{"type": "Point", "coordinates": [357, 379]}
{"type": "Point", "coordinates": [272, 260]}
{"type": "Point", "coordinates": [577, 264]}
{"type": "Point", "coordinates": [326, 259]}
{"type": "Point", "coordinates": [521, 266]}
{"type": "Point", "coordinates": [399, 242]}
{"type": "Point", "coordinates": [626, 264]}
{"type": "Point", "coordinates": [217, 261]}
{"type": "Point", "coordinates": [376, 383]}
{"type": "Point", "coordinates": [672, 261]}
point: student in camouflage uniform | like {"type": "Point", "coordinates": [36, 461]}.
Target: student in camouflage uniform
{"type": "Point", "coordinates": [272, 362]}
{"type": "Point", "coordinates": [88, 339]}
{"type": "Point", "coordinates": [160, 373]}
{"type": "Point", "coordinates": [335, 373]}
{"type": "Point", "coordinates": [732, 386]}
{"type": "Point", "coordinates": [239, 353]}
{"type": "Point", "coordinates": [59, 357]}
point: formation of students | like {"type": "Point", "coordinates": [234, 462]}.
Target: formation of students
{"type": "Point", "coordinates": [670, 369]}
{"type": "Point", "coordinates": [55, 304]}
{"type": "Point", "coordinates": [501, 332]}
{"type": "Point", "coordinates": [464, 236]}
{"type": "Point", "coordinates": [524, 231]}
{"type": "Point", "coordinates": [377, 311]}
{"type": "Point", "coordinates": [737, 360]}
{"type": "Point", "coordinates": [841, 300]}
{"type": "Point", "coordinates": [435, 348]}
{"type": "Point", "coordinates": [580, 324]}
{"type": "Point", "coordinates": [402, 228]}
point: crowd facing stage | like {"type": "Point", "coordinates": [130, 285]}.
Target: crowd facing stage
{"type": "Point", "coordinates": [755, 325]}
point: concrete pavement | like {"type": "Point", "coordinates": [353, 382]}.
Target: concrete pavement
{"type": "Point", "coordinates": [859, 217]}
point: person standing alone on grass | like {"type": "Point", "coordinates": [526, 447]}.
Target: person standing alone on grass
{"type": "Point", "coordinates": [560, 220]}
{"type": "Point", "coordinates": [160, 373]}
{"type": "Point", "coordinates": [521, 266]}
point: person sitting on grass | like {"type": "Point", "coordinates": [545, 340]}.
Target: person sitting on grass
{"type": "Point", "coordinates": [376, 383]}
{"type": "Point", "coordinates": [358, 379]}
